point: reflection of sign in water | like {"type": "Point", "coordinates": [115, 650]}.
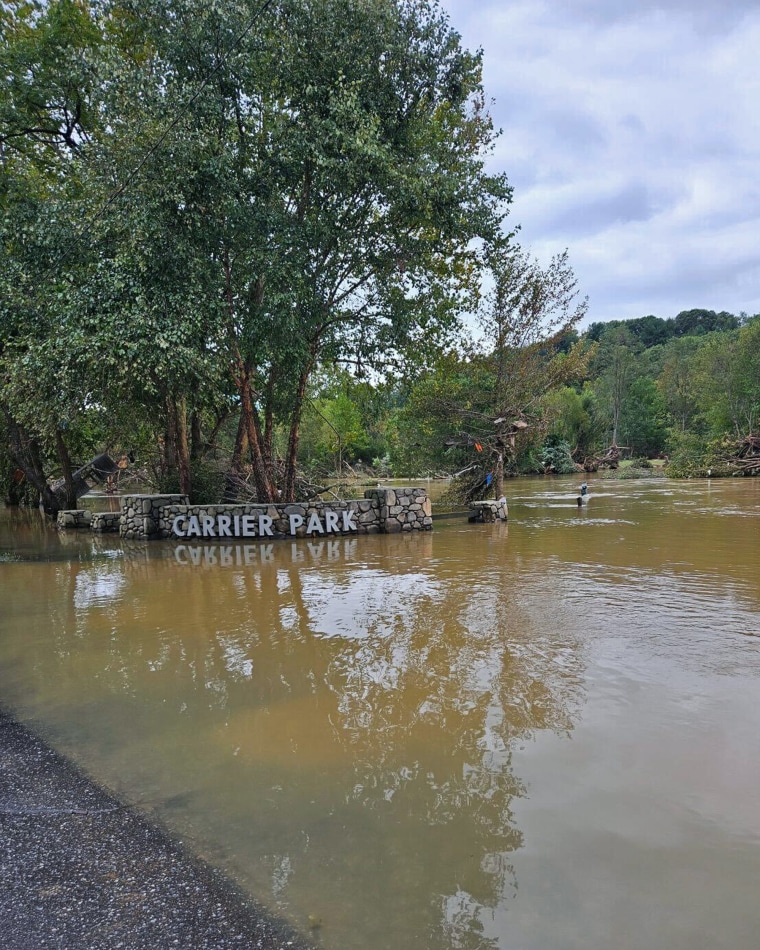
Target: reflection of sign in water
{"type": "Point", "coordinates": [247, 555]}
{"type": "Point", "coordinates": [237, 555]}
{"type": "Point", "coordinates": [260, 526]}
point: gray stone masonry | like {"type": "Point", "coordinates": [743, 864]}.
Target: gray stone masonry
{"type": "Point", "coordinates": [489, 510]}
{"type": "Point", "coordinates": [141, 514]}
{"type": "Point", "coordinates": [104, 521]}
{"type": "Point", "coordinates": [73, 519]}
{"type": "Point", "coordinates": [402, 509]}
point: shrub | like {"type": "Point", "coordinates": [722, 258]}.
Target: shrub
{"type": "Point", "coordinates": [556, 456]}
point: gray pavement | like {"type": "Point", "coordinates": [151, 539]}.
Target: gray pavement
{"type": "Point", "coordinates": [81, 871]}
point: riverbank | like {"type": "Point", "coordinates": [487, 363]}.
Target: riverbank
{"type": "Point", "coordinates": [82, 871]}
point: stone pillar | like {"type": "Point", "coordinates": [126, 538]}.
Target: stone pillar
{"type": "Point", "coordinates": [103, 521]}
{"type": "Point", "coordinates": [402, 509]}
{"type": "Point", "coordinates": [140, 515]}
{"type": "Point", "coordinates": [489, 511]}
{"type": "Point", "coordinates": [73, 518]}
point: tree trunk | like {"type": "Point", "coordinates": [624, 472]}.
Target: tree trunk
{"type": "Point", "coordinates": [236, 466]}
{"type": "Point", "coordinates": [177, 451]}
{"type": "Point", "coordinates": [269, 428]}
{"type": "Point", "coordinates": [210, 441]}
{"type": "Point", "coordinates": [183, 448]}
{"type": "Point", "coordinates": [27, 456]}
{"type": "Point", "coordinates": [295, 432]}
{"type": "Point", "coordinates": [196, 437]}
{"type": "Point", "coordinates": [615, 421]}
{"type": "Point", "coordinates": [170, 441]}
{"type": "Point", "coordinates": [265, 489]}
{"type": "Point", "coordinates": [498, 476]}
{"type": "Point", "coordinates": [70, 492]}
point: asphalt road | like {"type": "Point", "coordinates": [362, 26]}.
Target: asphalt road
{"type": "Point", "coordinates": [81, 871]}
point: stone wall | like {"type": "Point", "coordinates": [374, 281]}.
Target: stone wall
{"type": "Point", "coordinates": [489, 510]}
{"type": "Point", "coordinates": [402, 509]}
{"type": "Point", "coordinates": [141, 514]}
{"type": "Point", "coordinates": [149, 517]}
{"type": "Point", "coordinates": [73, 518]}
{"type": "Point", "coordinates": [385, 511]}
{"type": "Point", "coordinates": [105, 521]}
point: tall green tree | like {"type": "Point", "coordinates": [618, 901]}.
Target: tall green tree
{"type": "Point", "coordinates": [48, 114]}
{"type": "Point", "coordinates": [677, 383]}
{"type": "Point", "coordinates": [643, 419]}
{"type": "Point", "coordinates": [484, 406]}
{"type": "Point", "coordinates": [337, 189]}
{"type": "Point", "coordinates": [615, 368]}
{"type": "Point", "coordinates": [727, 370]}
{"type": "Point", "coordinates": [251, 191]}
{"type": "Point", "coordinates": [527, 316]}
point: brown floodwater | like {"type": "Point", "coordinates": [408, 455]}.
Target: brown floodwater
{"type": "Point", "coordinates": [536, 736]}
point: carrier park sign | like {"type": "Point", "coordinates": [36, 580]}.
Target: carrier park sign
{"type": "Point", "coordinates": [263, 525]}
{"type": "Point", "coordinates": [381, 511]}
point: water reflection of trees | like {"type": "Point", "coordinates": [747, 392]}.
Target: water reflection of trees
{"type": "Point", "coordinates": [432, 710]}
{"type": "Point", "coordinates": [389, 688]}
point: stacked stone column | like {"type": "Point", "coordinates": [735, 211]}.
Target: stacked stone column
{"type": "Point", "coordinates": [141, 515]}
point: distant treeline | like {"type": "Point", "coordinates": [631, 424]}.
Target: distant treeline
{"type": "Point", "coordinates": [650, 330]}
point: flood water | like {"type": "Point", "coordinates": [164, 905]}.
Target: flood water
{"type": "Point", "coordinates": [536, 736]}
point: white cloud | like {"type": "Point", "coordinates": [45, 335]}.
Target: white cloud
{"type": "Point", "coordinates": [630, 135]}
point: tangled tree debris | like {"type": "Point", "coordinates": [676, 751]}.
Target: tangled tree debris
{"type": "Point", "coordinates": [747, 458]}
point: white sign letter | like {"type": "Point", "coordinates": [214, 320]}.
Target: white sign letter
{"type": "Point", "coordinates": [295, 522]}
{"type": "Point", "coordinates": [314, 524]}
{"type": "Point", "coordinates": [348, 521]}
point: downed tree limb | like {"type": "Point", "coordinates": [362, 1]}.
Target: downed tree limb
{"type": "Point", "coordinates": [609, 459]}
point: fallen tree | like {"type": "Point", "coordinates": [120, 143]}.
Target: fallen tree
{"type": "Point", "coordinates": [746, 461]}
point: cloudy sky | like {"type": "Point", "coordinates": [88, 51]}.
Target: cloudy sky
{"type": "Point", "coordinates": [631, 134]}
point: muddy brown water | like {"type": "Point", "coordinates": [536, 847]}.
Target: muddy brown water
{"type": "Point", "coordinates": [537, 735]}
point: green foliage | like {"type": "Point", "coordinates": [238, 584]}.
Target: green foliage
{"type": "Point", "coordinates": [644, 421]}
{"type": "Point", "coordinates": [693, 457]}
{"type": "Point", "coordinates": [333, 433]}
{"type": "Point", "coordinates": [614, 367]}
{"type": "Point", "coordinates": [345, 422]}
{"type": "Point", "coordinates": [487, 410]}
{"type": "Point", "coordinates": [652, 331]}
{"type": "Point", "coordinates": [47, 106]}
{"type": "Point", "coordinates": [572, 416]}
{"type": "Point", "coordinates": [556, 456]}
{"type": "Point", "coordinates": [207, 482]}
{"type": "Point", "coordinates": [728, 380]}
{"type": "Point", "coordinates": [424, 426]}
{"type": "Point", "coordinates": [701, 322]}
{"type": "Point", "coordinates": [679, 395]}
